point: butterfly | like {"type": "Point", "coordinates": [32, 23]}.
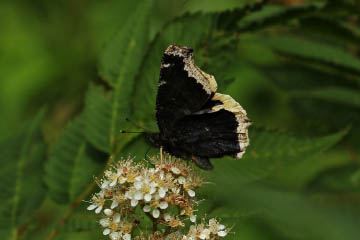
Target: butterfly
{"type": "Point", "coordinates": [195, 121]}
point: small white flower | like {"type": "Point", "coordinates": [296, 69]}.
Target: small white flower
{"type": "Point", "coordinates": [109, 224]}
{"type": "Point", "coordinates": [156, 213]}
{"type": "Point", "coordinates": [115, 235]}
{"type": "Point", "coordinates": [117, 218]}
{"type": "Point", "coordinates": [127, 236]}
{"type": "Point", "coordinates": [105, 184]}
{"type": "Point", "coordinates": [221, 227]}
{"type": "Point", "coordinates": [146, 208]}
{"type": "Point", "coordinates": [163, 205]}
{"type": "Point", "coordinates": [113, 183]}
{"type": "Point", "coordinates": [139, 196]}
{"type": "Point", "coordinates": [104, 222]}
{"type": "Point", "coordinates": [162, 192]}
{"type": "Point", "coordinates": [98, 210]}
{"type": "Point", "coordinates": [152, 188]}
{"type": "Point", "coordinates": [175, 190]}
{"type": "Point", "coordinates": [98, 202]}
{"type": "Point", "coordinates": [205, 234]}
{"type": "Point", "coordinates": [192, 234]}
{"type": "Point", "coordinates": [222, 233]}
{"type": "Point", "coordinates": [122, 180]}
{"type": "Point", "coordinates": [175, 170]}
{"type": "Point", "coordinates": [114, 177]}
{"type": "Point", "coordinates": [134, 202]}
{"type": "Point", "coordinates": [108, 212]}
{"type": "Point", "coordinates": [193, 218]}
{"type": "Point", "coordinates": [169, 177]}
{"type": "Point", "coordinates": [106, 231]}
{"type": "Point", "coordinates": [147, 197]}
{"type": "Point", "coordinates": [114, 204]}
{"type": "Point", "coordinates": [153, 185]}
{"type": "Point", "coordinates": [91, 207]}
{"type": "Point", "coordinates": [191, 193]}
{"type": "Point", "coordinates": [138, 185]}
{"type": "Point", "coordinates": [181, 180]}
{"type": "Point", "coordinates": [162, 175]}
{"type": "Point", "coordinates": [167, 217]}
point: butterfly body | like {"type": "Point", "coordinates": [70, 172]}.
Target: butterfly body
{"type": "Point", "coordinates": [195, 122]}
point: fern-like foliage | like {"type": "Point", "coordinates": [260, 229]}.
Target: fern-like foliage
{"type": "Point", "coordinates": [332, 94]}
{"type": "Point", "coordinates": [22, 191]}
{"type": "Point", "coordinates": [72, 163]}
{"type": "Point", "coordinates": [269, 151]}
{"type": "Point", "coordinates": [82, 223]}
{"type": "Point", "coordinates": [277, 207]}
{"type": "Point", "coordinates": [120, 63]}
{"type": "Point", "coordinates": [213, 6]}
{"type": "Point", "coordinates": [337, 179]}
{"type": "Point", "coordinates": [333, 30]}
{"type": "Point", "coordinates": [314, 51]}
{"type": "Point", "coordinates": [271, 15]}
{"type": "Point", "coordinates": [98, 118]}
{"type": "Point", "coordinates": [119, 60]}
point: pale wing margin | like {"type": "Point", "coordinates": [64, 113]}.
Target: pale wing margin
{"type": "Point", "coordinates": [229, 104]}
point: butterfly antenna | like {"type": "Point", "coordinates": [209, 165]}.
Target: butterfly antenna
{"type": "Point", "coordinates": [135, 125]}
{"type": "Point", "coordinates": [124, 131]}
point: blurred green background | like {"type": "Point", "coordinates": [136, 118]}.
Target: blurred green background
{"type": "Point", "coordinates": [292, 64]}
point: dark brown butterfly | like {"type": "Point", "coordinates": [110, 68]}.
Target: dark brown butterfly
{"type": "Point", "coordinates": [195, 121]}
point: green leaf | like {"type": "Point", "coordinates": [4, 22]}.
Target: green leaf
{"type": "Point", "coordinates": [22, 191]}
{"type": "Point", "coordinates": [120, 63]}
{"type": "Point", "coordinates": [299, 174]}
{"type": "Point", "coordinates": [98, 118]}
{"type": "Point", "coordinates": [207, 6]}
{"type": "Point", "coordinates": [315, 52]}
{"type": "Point", "coordinates": [302, 77]}
{"type": "Point", "coordinates": [340, 179]}
{"type": "Point", "coordinates": [269, 151]}
{"type": "Point", "coordinates": [95, 234]}
{"type": "Point", "coordinates": [340, 95]}
{"type": "Point", "coordinates": [331, 223]}
{"type": "Point", "coordinates": [82, 222]}
{"type": "Point", "coordinates": [121, 57]}
{"type": "Point", "coordinates": [270, 15]}
{"type": "Point", "coordinates": [72, 163]}
{"type": "Point", "coordinates": [331, 29]}
{"type": "Point", "coordinates": [188, 31]}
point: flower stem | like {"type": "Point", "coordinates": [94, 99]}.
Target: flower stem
{"type": "Point", "coordinates": [154, 225]}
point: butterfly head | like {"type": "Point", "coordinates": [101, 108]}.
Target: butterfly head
{"type": "Point", "coordinates": [180, 51]}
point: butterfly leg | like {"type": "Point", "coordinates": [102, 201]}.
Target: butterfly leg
{"type": "Point", "coordinates": [202, 162]}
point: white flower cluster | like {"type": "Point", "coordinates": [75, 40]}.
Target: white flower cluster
{"type": "Point", "coordinates": [212, 230]}
{"type": "Point", "coordinates": [165, 193]}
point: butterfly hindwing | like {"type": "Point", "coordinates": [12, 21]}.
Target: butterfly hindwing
{"type": "Point", "coordinates": [214, 132]}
